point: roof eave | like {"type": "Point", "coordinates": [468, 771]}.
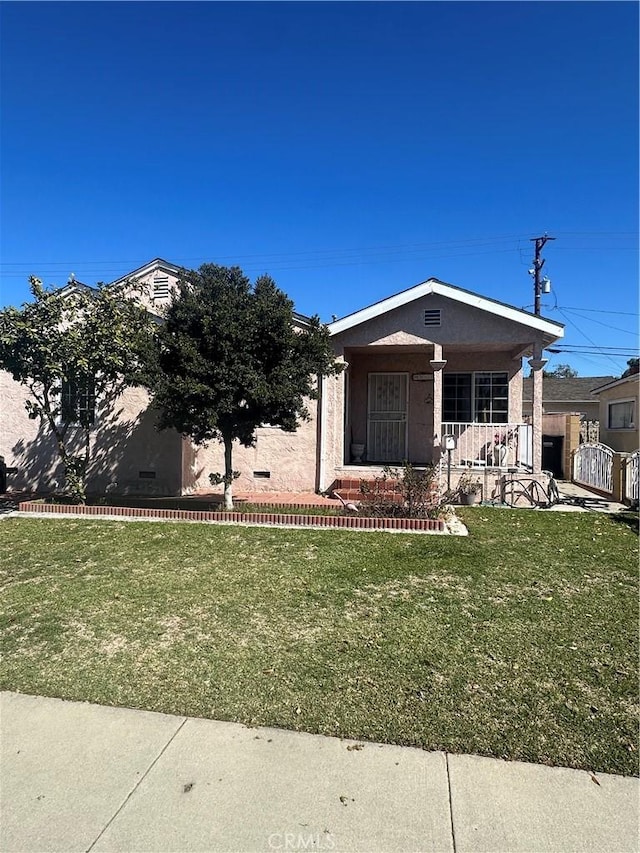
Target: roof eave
{"type": "Point", "coordinates": [551, 331]}
{"type": "Point", "coordinates": [620, 381]}
{"type": "Point", "coordinates": [156, 263]}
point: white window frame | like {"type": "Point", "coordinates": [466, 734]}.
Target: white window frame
{"type": "Point", "coordinates": [634, 406]}
{"type": "Point", "coordinates": [473, 408]}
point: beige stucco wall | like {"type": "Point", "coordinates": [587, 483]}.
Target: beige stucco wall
{"type": "Point", "coordinates": [332, 428]}
{"type": "Point", "coordinates": [461, 325]}
{"type": "Point", "coordinates": [623, 440]}
{"type": "Point", "coordinates": [288, 457]}
{"type": "Point", "coordinates": [23, 443]}
{"type": "Point", "coordinates": [124, 442]}
{"type": "Point", "coordinates": [144, 294]}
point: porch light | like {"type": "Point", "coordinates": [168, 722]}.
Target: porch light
{"type": "Point", "coordinates": [437, 364]}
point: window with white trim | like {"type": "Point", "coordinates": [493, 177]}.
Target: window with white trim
{"type": "Point", "coordinates": [481, 397]}
{"type": "Point", "coordinates": [621, 414]}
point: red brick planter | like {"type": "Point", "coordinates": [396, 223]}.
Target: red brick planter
{"type": "Point", "coordinates": [352, 522]}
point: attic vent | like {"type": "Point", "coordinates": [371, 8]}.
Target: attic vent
{"type": "Point", "coordinates": [161, 287]}
{"type": "Point", "coordinates": [432, 318]}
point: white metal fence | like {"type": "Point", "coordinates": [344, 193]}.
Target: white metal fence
{"type": "Point", "coordinates": [593, 467]}
{"type": "Point", "coordinates": [631, 482]}
{"type": "Point", "coordinates": [495, 445]}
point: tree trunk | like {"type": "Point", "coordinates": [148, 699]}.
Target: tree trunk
{"type": "Point", "coordinates": [228, 473]}
{"type": "Point", "coordinates": [74, 475]}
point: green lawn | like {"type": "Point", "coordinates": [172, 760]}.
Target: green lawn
{"type": "Point", "coordinates": [520, 641]}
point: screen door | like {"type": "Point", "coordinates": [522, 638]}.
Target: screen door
{"type": "Point", "coordinates": [387, 417]}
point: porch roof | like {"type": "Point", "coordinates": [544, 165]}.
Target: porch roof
{"type": "Point", "coordinates": [551, 331]}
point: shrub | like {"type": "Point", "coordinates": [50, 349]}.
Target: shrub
{"type": "Point", "coordinates": [402, 493]}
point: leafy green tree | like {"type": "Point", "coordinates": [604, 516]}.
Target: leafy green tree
{"type": "Point", "coordinates": [230, 358]}
{"type": "Point", "coordinates": [74, 349]}
{"type": "Point", "coordinates": [633, 367]}
{"type": "Point", "coordinates": [562, 371]}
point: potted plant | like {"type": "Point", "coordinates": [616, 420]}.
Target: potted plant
{"type": "Point", "coordinates": [469, 489]}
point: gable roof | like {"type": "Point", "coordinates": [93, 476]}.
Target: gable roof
{"type": "Point", "coordinates": [151, 266]}
{"type": "Point", "coordinates": [633, 377]}
{"type": "Point", "coordinates": [576, 389]}
{"type": "Point", "coordinates": [159, 264]}
{"type": "Point", "coordinates": [432, 285]}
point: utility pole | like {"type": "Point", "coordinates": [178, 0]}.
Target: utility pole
{"type": "Point", "coordinates": [538, 263]}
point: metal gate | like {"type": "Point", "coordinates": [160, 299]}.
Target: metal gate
{"type": "Point", "coordinates": [593, 467]}
{"type": "Point", "coordinates": [631, 483]}
{"type": "Point", "coordinates": [387, 417]}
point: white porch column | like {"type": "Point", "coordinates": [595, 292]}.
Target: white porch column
{"type": "Point", "coordinates": [536, 364]}
{"type": "Point", "coordinates": [437, 364]}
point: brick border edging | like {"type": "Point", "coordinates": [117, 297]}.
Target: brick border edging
{"type": "Point", "coordinates": [436, 525]}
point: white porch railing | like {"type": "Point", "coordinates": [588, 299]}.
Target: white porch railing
{"type": "Point", "coordinates": [495, 445]}
{"type": "Point", "coordinates": [631, 479]}
{"type": "Point", "coordinates": [593, 467]}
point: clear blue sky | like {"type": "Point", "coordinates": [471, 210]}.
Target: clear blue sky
{"type": "Point", "coordinates": [351, 150]}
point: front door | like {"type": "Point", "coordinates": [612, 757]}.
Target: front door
{"type": "Point", "coordinates": [387, 417]}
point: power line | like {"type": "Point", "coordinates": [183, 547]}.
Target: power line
{"type": "Point", "coordinates": [481, 241]}
{"type": "Point", "coordinates": [320, 263]}
{"type": "Point", "coordinates": [466, 242]}
{"type": "Point", "coordinates": [621, 352]}
{"type": "Point", "coordinates": [600, 323]}
{"type": "Point", "coordinates": [593, 344]}
{"type": "Point", "coordinates": [596, 311]}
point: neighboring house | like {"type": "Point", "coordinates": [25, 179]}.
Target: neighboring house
{"type": "Point", "coordinates": [566, 395]}
{"type": "Point", "coordinates": [431, 361]}
{"type": "Point", "coordinates": [619, 414]}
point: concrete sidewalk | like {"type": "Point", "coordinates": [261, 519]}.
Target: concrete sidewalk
{"type": "Point", "coordinates": [592, 501]}
{"type": "Point", "coordinates": [80, 777]}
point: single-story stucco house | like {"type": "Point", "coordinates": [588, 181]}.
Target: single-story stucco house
{"type": "Point", "coordinates": [431, 361]}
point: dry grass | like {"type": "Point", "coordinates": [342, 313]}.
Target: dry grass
{"type": "Point", "coordinates": [520, 641]}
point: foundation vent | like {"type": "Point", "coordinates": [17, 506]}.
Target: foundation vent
{"type": "Point", "coordinates": [146, 475]}
{"type": "Point", "coordinates": [264, 475]}
{"type": "Point", "coordinates": [432, 317]}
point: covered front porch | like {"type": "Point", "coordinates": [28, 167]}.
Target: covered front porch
{"type": "Point", "coordinates": [399, 406]}
{"type": "Point", "coordinates": [430, 362]}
